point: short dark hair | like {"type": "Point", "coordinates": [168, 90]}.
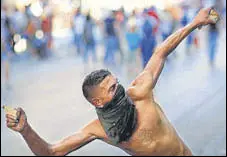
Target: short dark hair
{"type": "Point", "coordinates": [93, 79]}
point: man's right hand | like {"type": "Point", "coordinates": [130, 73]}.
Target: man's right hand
{"type": "Point", "coordinates": [19, 123]}
{"type": "Point", "coordinates": [40, 147]}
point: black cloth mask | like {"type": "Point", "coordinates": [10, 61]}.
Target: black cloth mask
{"type": "Point", "coordinates": [118, 117]}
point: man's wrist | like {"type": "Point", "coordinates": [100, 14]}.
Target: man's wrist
{"type": "Point", "coordinates": [25, 130]}
{"type": "Point", "coordinates": [195, 24]}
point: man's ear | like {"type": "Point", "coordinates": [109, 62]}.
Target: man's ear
{"type": "Point", "coordinates": [96, 102]}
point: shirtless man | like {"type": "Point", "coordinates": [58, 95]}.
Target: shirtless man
{"type": "Point", "coordinates": [140, 128]}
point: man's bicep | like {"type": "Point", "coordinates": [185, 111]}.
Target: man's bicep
{"type": "Point", "coordinates": [155, 66]}
{"type": "Point", "coordinates": [71, 143]}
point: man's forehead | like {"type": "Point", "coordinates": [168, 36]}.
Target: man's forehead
{"type": "Point", "coordinates": [108, 80]}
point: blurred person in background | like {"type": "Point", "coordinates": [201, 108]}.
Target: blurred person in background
{"type": "Point", "coordinates": [224, 17]}
{"type": "Point", "coordinates": [35, 35]}
{"type": "Point", "coordinates": [213, 34]}
{"type": "Point", "coordinates": [98, 32]}
{"type": "Point", "coordinates": [148, 42]}
{"type": "Point", "coordinates": [167, 25]}
{"type": "Point", "coordinates": [152, 12]}
{"type": "Point", "coordinates": [30, 33]}
{"type": "Point", "coordinates": [46, 26]}
{"type": "Point", "coordinates": [39, 38]}
{"type": "Point", "coordinates": [19, 24]}
{"type": "Point", "coordinates": [6, 43]}
{"type": "Point", "coordinates": [111, 39]}
{"type": "Point", "coordinates": [89, 39]}
{"type": "Point", "coordinates": [133, 41]}
{"type": "Point", "coordinates": [78, 29]}
{"type": "Point", "coordinates": [6, 53]}
{"type": "Point", "coordinates": [19, 21]}
{"type": "Point", "coordinates": [120, 31]}
{"type": "Point", "coordinates": [188, 15]}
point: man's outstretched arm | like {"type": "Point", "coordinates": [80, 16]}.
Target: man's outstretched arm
{"type": "Point", "coordinates": [156, 63]}
{"type": "Point", "coordinates": [40, 147]}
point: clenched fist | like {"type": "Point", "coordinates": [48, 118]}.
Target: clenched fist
{"type": "Point", "coordinates": [206, 16]}
{"type": "Point", "coordinates": [17, 123]}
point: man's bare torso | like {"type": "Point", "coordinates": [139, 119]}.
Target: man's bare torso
{"type": "Point", "coordinates": [154, 134]}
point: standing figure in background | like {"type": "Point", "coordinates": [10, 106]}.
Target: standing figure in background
{"type": "Point", "coordinates": [6, 44]}
{"type": "Point", "coordinates": [120, 32]}
{"type": "Point", "coordinates": [133, 41]}
{"type": "Point", "coordinates": [19, 21]}
{"type": "Point", "coordinates": [148, 42]}
{"type": "Point", "coordinates": [47, 30]}
{"type": "Point", "coordinates": [213, 35]}
{"type": "Point", "coordinates": [39, 39]}
{"type": "Point", "coordinates": [167, 26]}
{"type": "Point", "coordinates": [188, 15]}
{"type": "Point", "coordinates": [89, 40]}
{"type": "Point", "coordinates": [78, 29]}
{"type": "Point", "coordinates": [5, 61]}
{"type": "Point", "coordinates": [111, 41]}
{"type": "Point", "coordinates": [30, 35]}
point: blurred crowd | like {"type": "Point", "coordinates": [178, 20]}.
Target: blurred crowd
{"type": "Point", "coordinates": [132, 36]}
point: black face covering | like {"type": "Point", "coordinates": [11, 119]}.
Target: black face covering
{"type": "Point", "coordinates": [118, 117]}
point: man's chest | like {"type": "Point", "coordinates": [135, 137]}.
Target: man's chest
{"type": "Point", "coordinates": [149, 126]}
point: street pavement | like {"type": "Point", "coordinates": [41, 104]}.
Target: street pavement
{"type": "Point", "coordinates": [191, 93]}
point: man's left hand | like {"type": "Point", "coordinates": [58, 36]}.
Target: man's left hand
{"type": "Point", "coordinates": [204, 17]}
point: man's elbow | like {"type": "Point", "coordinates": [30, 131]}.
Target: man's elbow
{"type": "Point", "coordinates": [52, 151]}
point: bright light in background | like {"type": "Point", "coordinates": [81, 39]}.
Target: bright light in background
{"type": "Point", "coordinates": [20, 46]}
{"type": "Point", "coordinates": [39, 34]}
{"type": "Point", "coordinates": [36, 9]}
{"type": "Point", "coordinates": [65, 6]}
{"type": "Point", "coordinates": [98, 6]}
{"type": "Point", "coordinates": [96, 13]}
{"type": "Point", "coordinates": [21, 3]}
{"type": "Point", "coordinates": [75, 3]}
{"type": "Point", "coordinates": [24, 2]}
{"type": "Point", "coordinates": [16, 38]}
{"type": "Point", "coordinates": [160, 4]}
{"type": "Point", "coordinates": [99, 9]}
{"type": "Point", "coordinates": [56, 1]}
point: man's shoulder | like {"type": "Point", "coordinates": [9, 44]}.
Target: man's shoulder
{"type": "Point", "coordinates": [143, 77]}
{"type": "Point", "coordinates": [141, 86]}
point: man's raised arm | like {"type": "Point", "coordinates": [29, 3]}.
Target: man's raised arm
{"type": "Point", "coordinates": [156, 63]}
{"type": "Point", "coordinates": [40, 147]}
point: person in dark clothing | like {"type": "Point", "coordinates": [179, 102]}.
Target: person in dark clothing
{"type": "Point", "coordinates": [89, 40]}
{"type": "Point", "coordinates": [148, 42]}
{"type": "Point", "coordinates": [111, 43]}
